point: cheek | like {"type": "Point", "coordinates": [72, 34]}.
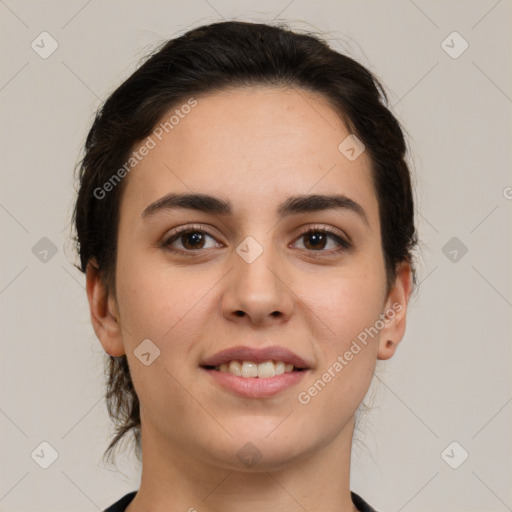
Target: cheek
{"type": "Point", "coordinates": [152, 297]}
{"type": "Point", "coordinates": [166, 308]}
{"type": "Point", "coordinates": [347, 302]}
{"type": "Point", "coordinates": [348, 353]}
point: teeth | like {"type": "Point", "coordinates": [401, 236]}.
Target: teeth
{"type": "Point", "coordinates": [248, 369]}
{"type": "Point", "coordinates": [266, 370]}
{"type": "Point", "coordinates": [235, 368]}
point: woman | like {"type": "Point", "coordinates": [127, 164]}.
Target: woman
{"type": "Point", "coordinates": [245, 223]}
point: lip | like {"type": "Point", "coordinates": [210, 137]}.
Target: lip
{"type": "Point", "coordinates": [256, 355]}
{"type": "Point", "coordinates": [255, 387]}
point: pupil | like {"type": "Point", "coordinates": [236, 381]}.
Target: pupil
{"type": "Point", "coordinates": [316, 237]}
{"type": "Point", "coordinates": [196, 237]}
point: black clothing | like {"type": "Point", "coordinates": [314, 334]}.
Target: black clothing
{"type": "Point", "coordinates": [120, 506]}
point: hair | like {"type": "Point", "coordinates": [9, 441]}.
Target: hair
{"type": "Point", "coordinates": [207, 59]}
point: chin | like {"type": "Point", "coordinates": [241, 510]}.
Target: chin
{"type": "Point", "coordinates": [263, 444]}
{"type": "Point", "coordinates": [260, 456]}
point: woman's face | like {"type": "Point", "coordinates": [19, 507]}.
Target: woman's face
{"type": "Point", "coordinates": [249, 283]}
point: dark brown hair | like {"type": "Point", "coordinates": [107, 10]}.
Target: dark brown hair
{"type": "Point", "coordinates": [209, 58]}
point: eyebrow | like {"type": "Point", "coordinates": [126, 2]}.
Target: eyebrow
{"type": "Point", "coordinates": [291, 206]}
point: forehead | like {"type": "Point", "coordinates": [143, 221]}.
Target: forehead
{"type": "Point", "coordinates": [250, 144]}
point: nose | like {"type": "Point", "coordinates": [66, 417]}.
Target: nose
{"type": "Point", "coordinates": [257, 292]}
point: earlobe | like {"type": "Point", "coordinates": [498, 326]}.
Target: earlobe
{"type": "Point", "coordinates": [395, 312]}
{"type": "Point", "coordinates": [104, 315]}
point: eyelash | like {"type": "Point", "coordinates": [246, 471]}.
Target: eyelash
{"type": "Point", "coordinates": [343, 244]}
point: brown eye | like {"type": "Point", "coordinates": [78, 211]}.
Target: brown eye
{"type": "Point", "coordinates": [316, 240]}
{"type": "Point", "coordinates": [190, 240]}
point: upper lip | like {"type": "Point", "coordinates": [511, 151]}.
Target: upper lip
{"type": "Point", "coordinates": [256, 355]}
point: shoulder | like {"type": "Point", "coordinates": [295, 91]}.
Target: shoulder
{"type": "Point", "coordinates": [120, 505]}
{"type": "Point", "coordinates": [360, 504]}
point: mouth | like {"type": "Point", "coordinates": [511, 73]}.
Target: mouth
{"type": "Point", "coordinates": [251, 369]}
{"type": "Point", "coordinates": [256, 372]}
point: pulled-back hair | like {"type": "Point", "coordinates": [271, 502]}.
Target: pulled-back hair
{"type": "Point", "coordinates": [210, 58]}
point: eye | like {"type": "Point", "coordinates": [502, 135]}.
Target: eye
{"type": "Point", "coordinates": [316, 239]}
{"type": "Point", "coordinates": [191, 238]}
{"type": "Point", "coordinates": [194, 238]}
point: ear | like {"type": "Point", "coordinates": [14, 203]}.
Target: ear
{"type": "Point", "coordinates": [104, 314]}
{"type": "Point", "coordinates": [395, 310]}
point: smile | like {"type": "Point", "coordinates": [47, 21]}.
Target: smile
{"type": "Point", "coordinates": [256, 372]}
{"type": "Point", "coordinates": [255, 387]}
{"type": "Point", "coordinates": [250, 369]}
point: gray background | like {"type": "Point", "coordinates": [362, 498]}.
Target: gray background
{"type": "Point", "coordinates": [451, 378]}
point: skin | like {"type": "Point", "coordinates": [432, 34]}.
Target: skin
{"type": "Point", "coordinates": [254, 147]}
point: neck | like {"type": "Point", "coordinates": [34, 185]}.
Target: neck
{"type": "Point", "coordinates": [173, 481]}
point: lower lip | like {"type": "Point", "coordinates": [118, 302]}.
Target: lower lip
{"type": "Point", "coordinates": [255, 387]}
